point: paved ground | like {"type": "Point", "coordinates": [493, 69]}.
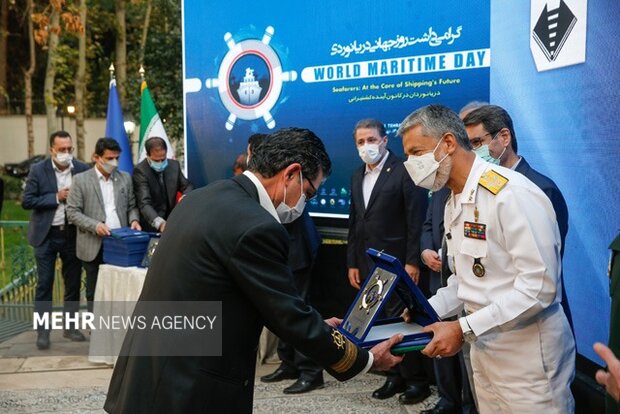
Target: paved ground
{"type": "Point", "coordinates": [31, 381]}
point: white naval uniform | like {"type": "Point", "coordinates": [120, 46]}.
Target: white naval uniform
{"type": "Point", "coordinates": [524, 356]}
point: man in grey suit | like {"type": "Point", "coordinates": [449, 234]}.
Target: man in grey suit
{"type": "Point", "coordinates": [101, 199]}
{"type": "Point", "coordinates": [47, 188]}
{"type": "Point", "coordinates": [156, 182]}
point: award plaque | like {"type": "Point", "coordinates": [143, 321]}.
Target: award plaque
{"type": "Point", "coordinates": [361, 323]}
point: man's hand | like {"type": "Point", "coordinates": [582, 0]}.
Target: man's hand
{"type": "Point", "coordinates": [333, 322]}
{"type": "Point", "coordinates": [431, 259]}
{"type": "Point", "coordinates": [63, 195]}
{"type": "Point", "coordinates": [414, 272]}
{"type": "Point", "coordinates": [354, 277]}
{"type": "Point", "coordinates": [447, 339]}
{"type": "Point", "coordinates": [384, 359]}
{"type": "Point", "coordinates": [102, 230]}
{"type": "Point", "coordinates": [162, 227]}
{"type": "Point", "coordinates": [135, 225]}
{"type": "Point", "coordinates": [610, 379]}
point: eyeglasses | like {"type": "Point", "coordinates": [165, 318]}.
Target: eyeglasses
{"type": "Point", "coordinates": [314, 193]}
{"type": "Point", "coordinates": [476, 142]}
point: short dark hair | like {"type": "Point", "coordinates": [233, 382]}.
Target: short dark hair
{"type": "Point", "coordinates": [288, 146]}
{"type": "Point", "coordinates": [59, 134]}
{"type": "Point", "coordinates": [255, 140]}
{"type": "Point", "coordinates": [370, 123]}
{"type": "Point", "coordinates": [240, 162]}
{"type": "Point", "coordinates": [154, 143]}
{"type": "Point", "coordinates": [437, 120]}
{"type": "Point", "coordinates": [106, 143]}
{"type": "Point", "coordinates": [494, 118]}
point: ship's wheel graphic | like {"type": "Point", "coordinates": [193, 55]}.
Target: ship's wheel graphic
{"type": "Point", "coordinates": [250, 79]}
{"type": "Point", "coordinates": [373, 294]}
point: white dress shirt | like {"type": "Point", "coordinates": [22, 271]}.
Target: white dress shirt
{"type": "Point", "coordinates": [370, 178]}
{"type": "Point", "coordinates": [109, 204]}
{"type": "Point", "coordinates": [63, 179]}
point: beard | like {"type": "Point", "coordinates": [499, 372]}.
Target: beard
{"type": "Point", "coordinates": [443, 174]}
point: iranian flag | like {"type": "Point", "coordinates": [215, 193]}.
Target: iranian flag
{"type": "Point", "coordinates": [150, 123]}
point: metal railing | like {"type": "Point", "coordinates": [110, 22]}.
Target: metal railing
{"type": "Point", "coordinates": [18, 275]}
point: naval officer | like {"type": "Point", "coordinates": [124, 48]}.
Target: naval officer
{"type": "Point", "coordinates": [504, 245]}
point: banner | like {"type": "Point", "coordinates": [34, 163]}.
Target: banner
{"type": "Point", "coordinates": [261, 70]}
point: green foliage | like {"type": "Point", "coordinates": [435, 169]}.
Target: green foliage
{"type": "Point", "coordinates": [12, 191]}
{"type": "Point", "coordinates": [162, 61]}
{"type": "Point", "coordinates": [163, 66]}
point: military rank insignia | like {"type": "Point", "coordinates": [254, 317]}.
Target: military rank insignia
{"type": "Point", "coordinates": [475, 230]}
{"type": "Point", "coordinates": [492, 181]}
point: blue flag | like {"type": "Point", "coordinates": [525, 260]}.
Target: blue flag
{"type": "Point", "coordinates": [115, 128]}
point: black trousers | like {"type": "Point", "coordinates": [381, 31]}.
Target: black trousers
{"type": "Point", "coordinates": [59, 242]}
{"type": "Point", "coordinates": [293, 360]}
{"type": "Point", "coordinates": [92, 272]}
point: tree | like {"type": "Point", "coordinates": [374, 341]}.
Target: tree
{"type": "Point", "coordinates": [4, 33]}
{"type": "Point", "coordinates": [80, 84]}
{"type": "Point", "coordinates": [50, 72]}
{"type": "Point", "coordinates": [121, 50]}
{"type": "Point", "coordinates": [28, 78]}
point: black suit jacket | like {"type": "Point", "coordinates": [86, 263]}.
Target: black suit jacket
{"type": "Point", "coordinates": [221, 245]}
{"type": "Point", "coordinates": [393, 219]}
{"type": "Point", "coordinates": [552, 191]}
{"type": "Point", "coordinates": [149, 197]}
{"type": "Point", "coordinates": [432, 233]}
{"type": "Point", "coordinates": [40, 196]}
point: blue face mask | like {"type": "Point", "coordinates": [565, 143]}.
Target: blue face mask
{"type": "Point", "coordinates": [483, 152]}
{"type": "Point", "coordinates": [158, 166]}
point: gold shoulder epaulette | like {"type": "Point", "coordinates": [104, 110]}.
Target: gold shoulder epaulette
{"type": "Point", "coordinates": [493, 181]}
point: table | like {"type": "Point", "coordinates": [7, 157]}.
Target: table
{"type": "Point", "coordinates": [118, 288]}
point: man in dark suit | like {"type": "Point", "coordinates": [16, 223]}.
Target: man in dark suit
{"type": "Point", "coordinates": [387, 211]}
{"type": "Point", "coordinates": [452, 380]}
{"type": "Point", "coordinates": [156, 182]}
{"type": "Point", "coordinates": [492, 135]}
{"type": "Point", "coordinates": [225, 243]}
{"type": "Point", "coordinates": [47, 188]}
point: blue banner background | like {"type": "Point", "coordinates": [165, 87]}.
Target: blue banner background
{"type": "Point", "coordinates": [304, 35]}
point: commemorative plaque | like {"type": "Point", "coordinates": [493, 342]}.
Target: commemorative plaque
{"type": "Point", "coordinates": [362, 324]}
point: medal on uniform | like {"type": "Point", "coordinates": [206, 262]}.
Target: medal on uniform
{"type": "Point", "coordinates": [478, 268]}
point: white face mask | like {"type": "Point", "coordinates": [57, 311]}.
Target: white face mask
{"type": "Point", "coordinates": [109, 166]}
{"type": "Point", "coordinates": [63, 159]}
{"type": "Point", "coordinates": [289, 214]}
{"type": "Point", "coordinates": [370, 153]}
{"type": "Point", "coordinates": [423, 169]}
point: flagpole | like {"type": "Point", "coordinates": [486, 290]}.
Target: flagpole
{"type": "Point", "coordinates": [111, 69]}
{"type": "Point", "coordinates": [141, 72]}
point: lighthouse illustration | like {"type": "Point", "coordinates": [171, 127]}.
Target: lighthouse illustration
{"type": "Point", "coordinates": [249, 90]}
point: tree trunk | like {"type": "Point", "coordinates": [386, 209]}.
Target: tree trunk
{"type": "Point", "coordinates": [4, 33]}
{"type": "Point", "coordinates": [80, 87]}
{"type": "Point", "coordinates": [51, 105]}
{"type": "Point", "coordinates": [121, 50]}
{"type": "Point", "coordinates": [145, 30]}
{"type": "Point", "coordinates": [28, 80]}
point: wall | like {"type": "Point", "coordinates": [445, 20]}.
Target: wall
{"type": "Point", "coordinates": [14, 141]}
